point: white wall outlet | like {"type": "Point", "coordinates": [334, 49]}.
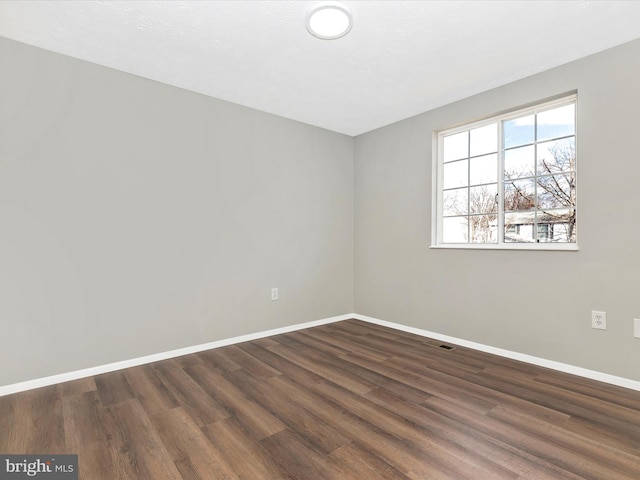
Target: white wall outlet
{"type": "Point", "coordinates": [636, 328]}
{"type": "Point", "coordinates": [599, 320]}
{"type": "Point", "coordinates": [274, 294]}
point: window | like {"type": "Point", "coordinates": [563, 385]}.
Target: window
{"type": "Point", "coordinates": [509, 181]}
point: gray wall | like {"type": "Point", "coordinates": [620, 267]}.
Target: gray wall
{"type": "Point", "coordinates": [533, 302]}
{"type": "Point", "coordinates": [137, 218]}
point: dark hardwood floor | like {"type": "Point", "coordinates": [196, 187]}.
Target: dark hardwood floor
{"type": "Point", "coordinates": [348, 400]}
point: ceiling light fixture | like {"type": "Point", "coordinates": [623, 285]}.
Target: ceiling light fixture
{"type": "Point", "coordinates": [329, 20]}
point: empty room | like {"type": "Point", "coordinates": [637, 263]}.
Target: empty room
{"type": "Point", "coordinates": [317, 240]}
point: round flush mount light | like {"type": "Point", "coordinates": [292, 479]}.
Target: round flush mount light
{"type": "Point", "coordinates": [329, 20]}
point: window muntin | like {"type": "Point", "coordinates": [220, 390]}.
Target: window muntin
{"type": "Point", "coordinates": [509, 180]}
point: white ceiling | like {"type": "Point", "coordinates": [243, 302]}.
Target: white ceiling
{"type": "Point", "coordinates": [401, 58]}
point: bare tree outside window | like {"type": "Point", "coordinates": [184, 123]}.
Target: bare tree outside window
{"type": "Point", "coordinates": [549, 192]}
{"type": "Point", "coordinates": [558, 188]}
{"type": "Point", "coordinates": [530, 161]}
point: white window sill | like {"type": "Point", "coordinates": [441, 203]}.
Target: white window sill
{"type": "Point", "coordinates": [562, 247]}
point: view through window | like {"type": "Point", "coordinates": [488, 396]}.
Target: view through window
{"type": "Point", "coordinates": [509, 180]}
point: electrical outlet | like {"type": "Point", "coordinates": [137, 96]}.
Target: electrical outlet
{"type": "Point", "coordinates": [598, 320]}
{"type": "Point", "coordinates": [636, 328]}
{"type": "Point", "coordinates": [274, 294]}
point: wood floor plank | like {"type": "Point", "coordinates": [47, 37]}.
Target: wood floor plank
{"type": "Point", "coordinates": [318, 434]}
{"type": "Point", "coordinates": [614, 460]}
{"type": "Point", "coordinates": [86, 435]}
{"type": "Point", "coordinates": [347, 400]}
{"type": "Point", "coordinates": [8, 420]}
{"type": "Point", "coordinates": [141, 451]}
{"type": "Point", "coordinates": [150, 391]}
{"type": "Point", "coordinates": [438, 384]}
{"type": "Point", "coordinates": [438, 449]}
{"type": "Point", "coordinates": [113, 387]}
{"type": "Point", "coordinates": [323, 369]}
{"type": "Point", "coordinates": [304, 338]}
{"type": "Point", "coordinates": [607, 393]}
{"type": "Point", "coordinates": [242, 452]}
{"type": "Point", "coordinates": [541, 447]}
{"type": "Point", "coordinates": [351, 347]}
{"type": "Point", "coordinates": [437, 358]}
{"type": "Point", "coordinates": [81, 385]}
{"type": "Point", "coordinates": [358, 331]}
{"type": "Point", "coordinates": [249, 363]}
{"type": "Point", "coordinates": [467, 438]}
{"type": "Point", "coordinates": [284, 365]}
{"type": "Point", "coordinates": [361, 463]}
{"type": "Point", "coordinates": [251, 414]}
{"type": "Point", "coordinates": [192, 452]}
{"type": "Point", "coordinates": [400, 435]}
{"type": "Point", "coordinates": [191, 396]}
{"type": "Point", "coordinates": [319, 354]}
{"type": "Point", "coordinates": [300, 461]}
{"type": "Point", "coordinates": [394, 451]}
{"type": "Point", "coordinates": [536, 465]}
{"type": "Point", "coordinates": [39, 415]}
{"type": "Point", "coordinates": [265, 342]}
{"type": "Point", "coordinates": [402, 384]}
{"type": "Point", "coordinates": [218, 359]}
{"type": "Point", "coordinates": [610, 415]}
{"type": "Point", "coordinates": [606, 436]}
{"type": "Point", "coordinates": [469, 390]}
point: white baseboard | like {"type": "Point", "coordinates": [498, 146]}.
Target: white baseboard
{"type": "Point", "coordinates": [542, 362]}
{"type": "Point", "coordinates": [134, 362]}
{"type": "Point", "coordinates": [110, 367]}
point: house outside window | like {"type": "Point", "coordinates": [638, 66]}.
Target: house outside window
{"type": "Point", "coordinates": [509, 181]}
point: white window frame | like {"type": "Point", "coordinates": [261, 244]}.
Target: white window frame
{"type": "Point", "coordinates": [438, 179]}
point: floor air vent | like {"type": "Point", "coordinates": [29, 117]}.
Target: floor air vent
{"type": "Point", "coordinates": [446, 347]}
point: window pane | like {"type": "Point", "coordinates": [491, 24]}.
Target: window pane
{"type": "Point", "coordinates": [455, 202]}
{"type": "Point", "coordinates": [545, 231]}
{"type": "Point", "coordinates": [519, 131]}
{"type": "Point", "coordinates": [456, 146]}
{"type": "Point", "coordinates": [454, 230]}
{"type": "Point", "coordinates": [484, 140]}
{"type": "Point", "coordinates": [557, 122]}
{"type": "Point", "coordinates": [519, 173]}
{"type": "Point", "coordinates": [483, 228]}
{"type": "Point", "coordinates": [561, 224]}
{"type": "Point", "coordinates": [562, 233]}
{"type": "Point", "coordinates": [557, 156]}
{"type": "Point", "coordinates": [556, 191]}
{"type": "Point", "coordinates": [484, 169]}
{"type": "Point", "coordinates": [518, 227]}
{"type": "Point", "coordinates": [456, 174]}
{"type": "Point", "coordinates": [519, 162]}
{"type": "Point", "coordinates": [483, 199]}
{"type": "Point", "coordinates": [519, 195]}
